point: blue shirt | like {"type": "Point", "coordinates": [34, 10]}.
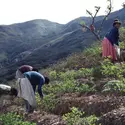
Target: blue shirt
{"type": "Point", "coordinates": [35, 79]}
{"type": "Point", "coordinates": [113, 36]}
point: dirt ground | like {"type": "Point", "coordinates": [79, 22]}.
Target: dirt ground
{"type": "Point", "coordinates": [110, 109]}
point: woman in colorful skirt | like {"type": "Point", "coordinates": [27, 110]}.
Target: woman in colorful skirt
{"type": "Point", "coordinates": [111, 41]}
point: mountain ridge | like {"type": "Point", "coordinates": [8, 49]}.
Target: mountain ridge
{"type": "Point", "coordinates": [43, 43]}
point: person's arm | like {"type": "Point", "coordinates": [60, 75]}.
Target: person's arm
{"type": "Point", "coordinates": [40, 88]}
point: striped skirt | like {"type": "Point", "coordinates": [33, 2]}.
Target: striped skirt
{"type": "Point", "coordinates": [108, 50]}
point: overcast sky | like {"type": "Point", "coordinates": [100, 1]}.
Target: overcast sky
{"type": "Point", "coordinates": [61, 11]}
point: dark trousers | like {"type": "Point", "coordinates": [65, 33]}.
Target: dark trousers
{"type": "Point", "coordinates": [28, 107]}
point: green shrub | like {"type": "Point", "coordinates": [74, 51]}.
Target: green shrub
{"type": "Point", "coordinates": [68, 86]}
{"type": "Point", "coordinates": [13, 119]}
{"type": "Point", "coordinates": [108, 69]}
{"type": "Point", "coordinates": [75, 117]}
{"type": "Point", "coordinates": [95, 50]}
{"type": "Point", "coordinates": [122, 34]}
{"type": "Point", "coordinates": [49, 102]}
{"type": "Point", "coordinates": [84, 88]}
{"type": "Point", "coordinates": [53, 75]}
{"type": "Point", "coordinates": [114, 86]}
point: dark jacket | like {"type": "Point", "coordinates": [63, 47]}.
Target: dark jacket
{"type": "Point", "coordinates": [36, 79]}
{"type": "Point", "coordinates": [113, 36]}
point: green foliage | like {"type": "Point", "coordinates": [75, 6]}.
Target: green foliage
{"type": "Point", "coordinates": [122, 34]}
{"type": "Point", "coordinates": [84, 72]}
{"type": "Point", "coordinates": [108, 69]}
{"type": "Point", "coordinates": [82, 23]}
{"type": "Point", "coordinates": [13, 119]}
{"type": "Point", "coordinates": [95, 50]}
{"type": "Point", "coordinates": [65, 82]}
{"type": "Point", "coordinates": [53, 75]}
{"type": "Point", "coordinates": [70, 74]}
{"type": "Point", "coordinates": [75, 117]}
{"type": "Point", "coordinates": [48, 103]}
{"type": "Point", "coordinates": [114, 86]}
{"type": "Point", "coordinates": [89, 57]}
{"type": "Point", "coordinates": [91, 120]}
{"type": "Point", "coordinates": [68, 86]}
{"type": "Point", "coordinates": [84, 88]}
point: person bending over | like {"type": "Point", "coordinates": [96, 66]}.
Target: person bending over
{"type": "Point", "coordinates": [36, 80]}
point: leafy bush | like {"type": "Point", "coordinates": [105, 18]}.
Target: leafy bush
{"type": "Point", "coordinates": [75, 117]}
{"type": "Point", "coordinates": [109, 69]}
{"type": "Point", "coordinates": [49, 102]}
{"type": "Point", "coordinates": [71, 74]}
{"type": "Point", "coordinates": [95, 50]}
{"type": "Point", "coordinates": [114, 86]}
{"type": "Point", "coordinates": [66, 87]}
{"type": "Point", "coordinates": [122, 34]}
{"type": "Point", "coordinates": [53, 75]}
{"type": "Point", "coordinates": [13, 119]}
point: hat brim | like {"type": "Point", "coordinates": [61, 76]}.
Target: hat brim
{"type": "Point", "coordinates": [117, 23]}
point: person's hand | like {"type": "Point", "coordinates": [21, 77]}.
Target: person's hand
{"type": "Point", "coordinates": [116, 46]}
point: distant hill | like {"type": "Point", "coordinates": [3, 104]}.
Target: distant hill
{"type": "Point", "coordinates": [18, 38]}
{"type": "Point", "coordinates": [41, 42]}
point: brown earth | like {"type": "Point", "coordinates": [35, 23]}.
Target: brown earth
{"type": "Point", "coordinates": [110, 109]}
{"type": "Point", "coordinates": [92, 104]}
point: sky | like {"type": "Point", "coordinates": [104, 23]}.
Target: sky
{"type": "Point", "coordinates": [61, 11]}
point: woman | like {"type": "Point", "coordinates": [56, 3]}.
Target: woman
{"type": "Point", "coordinates": [111, 42]}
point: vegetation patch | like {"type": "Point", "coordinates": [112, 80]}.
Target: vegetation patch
{"type": "Point", "coordinates": [13, 119]}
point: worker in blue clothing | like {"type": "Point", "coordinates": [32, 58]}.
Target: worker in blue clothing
{"type": "Point", "coordinates": [36, 79]}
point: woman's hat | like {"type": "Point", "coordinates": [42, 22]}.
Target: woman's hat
{"type": "Point", "coordinates": [116, 21]}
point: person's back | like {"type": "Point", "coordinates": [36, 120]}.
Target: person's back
{"type": "Point", "coordinates": [34, 77]}
{"type": "Point", "coordinates": [113, 35]}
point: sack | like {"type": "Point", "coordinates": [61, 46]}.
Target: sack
{"type": "Point", "coordinates": [117, 50]}
{"type": "Point", "coordinates": [19, 74]}
{"type": "Point", "coordinates": [25, 91]}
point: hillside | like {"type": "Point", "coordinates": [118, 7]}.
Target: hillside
{"type": "Point", "coordinates": [18, 38]}
{"type": "Point", "coordinates": [84, 90]}
{"type": "Point", "coordinates": [41, 43]}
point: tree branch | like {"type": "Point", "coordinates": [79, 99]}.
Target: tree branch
{"type": "Point", "coordinates": [94, 33]}
{"type": "Point", "coordinates": [97, 10]}
{"type": "Point", "coordinates": [105, 17]}
{"type": "Point", "coordinates": [92, 28]}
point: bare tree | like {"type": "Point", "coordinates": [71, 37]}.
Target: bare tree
{"type": "Point", "coordinates": [91, 28]}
